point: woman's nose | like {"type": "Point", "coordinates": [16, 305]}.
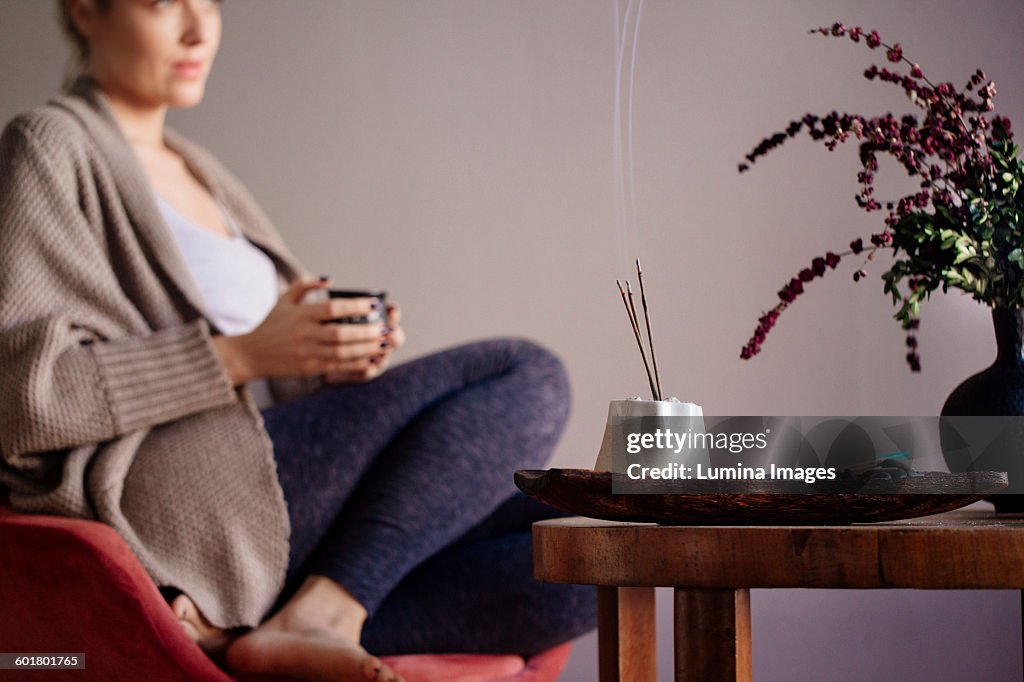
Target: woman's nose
{"type": "Point", "coordinates": [195, 28]}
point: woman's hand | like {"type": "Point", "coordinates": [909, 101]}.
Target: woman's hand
{"type": "Point", "coordinates": [378, 363]}
{"type": "Point", "coordinates": [293, 340]}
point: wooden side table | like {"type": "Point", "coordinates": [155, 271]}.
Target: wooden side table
{"type": "Point", "coordinates": [713, 568]}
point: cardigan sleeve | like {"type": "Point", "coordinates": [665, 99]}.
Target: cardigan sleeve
{"type": "Point", "coordinates": [72, 375]}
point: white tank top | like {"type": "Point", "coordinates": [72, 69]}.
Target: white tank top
{"type": "Point", "coordinates": [237, 280]}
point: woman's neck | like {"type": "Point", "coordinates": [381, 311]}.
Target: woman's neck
{"type": "Point", "coordinates": [142, 124]}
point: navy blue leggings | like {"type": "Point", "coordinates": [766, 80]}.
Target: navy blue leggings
{"type": "Point", "coordinates": [401, 489]}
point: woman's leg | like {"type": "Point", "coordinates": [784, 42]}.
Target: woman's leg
{"type": "Point", "coordinates": [478, 595]}
{"type": "Point", "coordinates": [381, 475]}
{"type": "Point", "coordinates": [431, 444]}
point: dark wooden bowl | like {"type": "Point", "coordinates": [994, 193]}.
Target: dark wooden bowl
{"type": "Point", "coordinates": [758, 503]}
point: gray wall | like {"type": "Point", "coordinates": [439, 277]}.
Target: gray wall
{"type": "Point", "coordinates": [459, 153]}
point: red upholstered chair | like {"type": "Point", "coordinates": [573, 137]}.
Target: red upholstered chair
{"type": "Point", "coordinates": [70, 585]}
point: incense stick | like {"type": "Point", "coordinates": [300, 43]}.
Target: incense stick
{"type": "Point", "coordinates": [647, 320]}
{"type": "Point", "coordinates": [629, 314]}
{"type": "Point", "coordinates": [632, 322]}
{"type": "Point", "coordinates": [636, 327]}
{"type": "Point", "coordinates": [635, 324]}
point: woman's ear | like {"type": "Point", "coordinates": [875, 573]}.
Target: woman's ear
{"type": "Point", "coordinates": [83, 14]}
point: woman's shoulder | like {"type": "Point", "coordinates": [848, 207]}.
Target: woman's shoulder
{"type": "Point", "coordinates": [46, 127]}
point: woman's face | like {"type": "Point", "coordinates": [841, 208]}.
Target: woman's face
{"type": "Point", "coordinates": [154, 52]}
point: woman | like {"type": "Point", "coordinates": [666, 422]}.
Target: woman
{"type": "Point", "coordinates": [165, 373]}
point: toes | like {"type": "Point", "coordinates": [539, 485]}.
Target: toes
{"type": "Point", "coordinates": [374, 669]}
{"type": "Point", "coordinates": [190, 630]}
{"type": "Point", "coordinates": [199, 627]}
{"type": "Point", "coordinates": [182, 606]}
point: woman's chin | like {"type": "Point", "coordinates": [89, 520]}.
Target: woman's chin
{"type": "Point", "coordinates": [185, 96]}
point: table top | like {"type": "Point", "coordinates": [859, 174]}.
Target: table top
{"type": "Point", "coordinates": [957, 550]}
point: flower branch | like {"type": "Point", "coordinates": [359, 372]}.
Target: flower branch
{"type": "Point", "coordinates": [962, 228]}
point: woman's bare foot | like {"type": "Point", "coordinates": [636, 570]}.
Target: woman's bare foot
{"type": "Point", "coordinates": [314, 637]}
{"type": "Point", "coordinates": [312, 655]}
{"type": "Point", "coordinates": [211, 639]}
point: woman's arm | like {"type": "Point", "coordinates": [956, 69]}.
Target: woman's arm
{"type": "Point", "coordinates": [79, 363]}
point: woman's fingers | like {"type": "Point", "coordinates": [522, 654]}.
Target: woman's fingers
{"type": "Point", "coordinates": [300, 285]}
{"type": "Point", "coordinates": [397, 337]}
{"type": "Point", "coordinates": [341, 307]}
{"type": "Point", "coordinates": [354, 371]}
{"type": "Point", "coordinates": [346, 333]}
{"type": "Point", "coordinates": [295, 339]}
{"type": "Point", "coordinates": [349, 351]}
{"type": "Point", "coordinates": [353, 365]}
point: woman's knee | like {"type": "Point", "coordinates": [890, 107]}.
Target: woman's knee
{"type": "Point", "coordinates": [521, 379]}
{"type": "Point", "coordinates": [543, 384]}
{"type": "Point", "coordinates": [546, 369]}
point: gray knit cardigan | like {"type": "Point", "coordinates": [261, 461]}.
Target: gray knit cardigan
{"type": "Point", "coordinates": [114, 405]}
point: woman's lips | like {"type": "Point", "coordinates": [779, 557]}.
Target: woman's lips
{"type": "Point", "coordinates": [189, 69]}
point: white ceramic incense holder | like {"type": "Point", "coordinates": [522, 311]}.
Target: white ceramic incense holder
{"type": "Point", "coordinates": [637, 407]}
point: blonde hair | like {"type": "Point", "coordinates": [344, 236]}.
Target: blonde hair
{"type": "Point", "coordinates": [78, 60]}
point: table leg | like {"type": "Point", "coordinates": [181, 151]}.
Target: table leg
{"type": "Point", "coordinates": [712, 635]}
{"type": "Point", "coordinates": [626, 642]}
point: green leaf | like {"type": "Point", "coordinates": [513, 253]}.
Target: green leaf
{"type": "Point", "coordinates": [965, 255]}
